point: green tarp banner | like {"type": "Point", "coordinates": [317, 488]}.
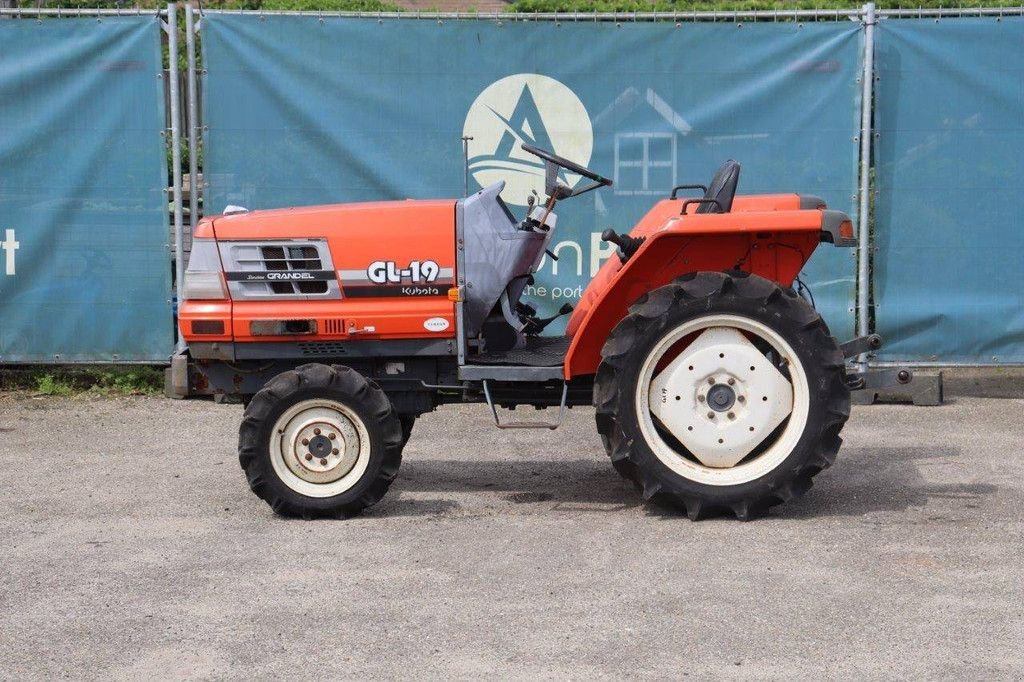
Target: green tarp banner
{"type": "Point", "coordinates": [304, 110]}
{"type": "Point", "coordinates": [949, 254]}
{"type": "Point", "coordinates": [84, 266]}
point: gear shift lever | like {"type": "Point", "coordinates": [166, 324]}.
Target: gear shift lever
{"type": "Point", "coordinates": [627, 245]}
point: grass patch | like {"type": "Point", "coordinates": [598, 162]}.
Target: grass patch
{"type": "Point", "coordinates": [64, 381]}
{"type": "Point", "coordinates": [47, 384]}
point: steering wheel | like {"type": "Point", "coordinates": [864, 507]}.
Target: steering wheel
{"type": "Point", "coordinates": [568, 165]}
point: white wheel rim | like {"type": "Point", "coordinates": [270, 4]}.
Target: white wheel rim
{"type": "Point", "coordinates": [727, 406]}
{"type": "Point", "coordinates": [319, 448]}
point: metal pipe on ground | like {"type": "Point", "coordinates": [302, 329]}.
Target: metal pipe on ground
{"type": "Point", "coordinates": [193, 121]}
{"type": "Point", "coordinates": [863, 219]}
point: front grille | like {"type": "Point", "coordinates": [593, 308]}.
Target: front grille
{"type": "Point", "coordinates": [274, 269]}
{"type": "Point", "coordinates": [333, 327]}
{"type": "Point", "coordinates": [285, 258]}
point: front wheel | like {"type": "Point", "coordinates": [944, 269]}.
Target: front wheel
{"type": "Point", "coordinates": [721, 392]}
{"type": "Point", "coordinates": [320, 441]}
{"type": "Point", "coordinates": [407, 421]}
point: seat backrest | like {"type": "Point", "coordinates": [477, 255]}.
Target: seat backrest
{"type": "Point", "coordinates": [722, 188]}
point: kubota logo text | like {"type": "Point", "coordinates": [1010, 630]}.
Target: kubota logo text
{"type": "Point", "coordinates": [531, 108]}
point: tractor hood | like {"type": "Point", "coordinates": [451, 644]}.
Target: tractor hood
{"type": "Point", "coordinates": [373, 218]}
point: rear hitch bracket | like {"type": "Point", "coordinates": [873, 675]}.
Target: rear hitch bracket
{"type": "Point", "coordinates": [877, 378]}
{"type": "Point", "coordinates": [861, 345]}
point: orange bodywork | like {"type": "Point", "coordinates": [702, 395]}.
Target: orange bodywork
{"type": "Point", "coordinates": [357, 236]}
{"type": "Point", "coordinates": [770, 235]}
{"type": "Point", "coordinates": [765, 234]}
{"type": "Point", "coordinates": [192, 313]}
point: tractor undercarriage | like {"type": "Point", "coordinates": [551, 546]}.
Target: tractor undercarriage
{"type": "Point", "coordinates": [528, 376]}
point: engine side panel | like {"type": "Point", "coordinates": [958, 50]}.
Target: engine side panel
{"type": "Point", "coordinates": [386, 275]}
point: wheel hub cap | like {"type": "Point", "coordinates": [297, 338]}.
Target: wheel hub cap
{"type": "Point", "coordinates": [720, 397]}
{"type": "Point", "coordinates": [319, 445]}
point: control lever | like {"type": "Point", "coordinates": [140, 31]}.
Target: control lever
{"type": "Point", "coordinates": [535, 325]}
{"type": "Point", "coordinates": [627, 245]}
{"type": "Point", "coordinates": [532, 199]}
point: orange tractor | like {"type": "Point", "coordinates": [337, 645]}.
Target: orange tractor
{"type": "Point", "coordinates": [717, 388]}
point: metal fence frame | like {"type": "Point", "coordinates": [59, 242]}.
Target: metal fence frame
{"type": "Point", "coordinates": [867, 15]}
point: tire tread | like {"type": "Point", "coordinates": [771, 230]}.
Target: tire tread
{"type": "Point", "coordinates": [647, 319]}
{"type": "Point", "coordinates": [339, 382]}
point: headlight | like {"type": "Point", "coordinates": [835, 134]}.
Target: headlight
{"type": "Point", "coordinates": [203, 278]}
{"type": "Point", "coordinates": [204, 286]}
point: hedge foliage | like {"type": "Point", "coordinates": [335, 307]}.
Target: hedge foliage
{"type": "Point", "coordinates": [534, 6]}
{"type": "Point", "coordinates": [292, 5]}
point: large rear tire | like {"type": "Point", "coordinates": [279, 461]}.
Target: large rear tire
{"type": "Point", "coordinates": [721, 392]}
{"type": "Point", "coordinates": [320, 441]}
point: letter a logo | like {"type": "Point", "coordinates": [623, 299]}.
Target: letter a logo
{"type": "Point", "coordinates": [529, 108]}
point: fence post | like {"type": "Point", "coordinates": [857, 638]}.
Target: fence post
{"type": "Point", "coordinates": [863, 221]}
{"type": "Point", "coordinates": [172, 66]}
{"type": "Point", "coordinates": [193, 121]}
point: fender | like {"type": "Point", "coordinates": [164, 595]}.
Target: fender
{"type": "Point", "coordinates": [774, 244]}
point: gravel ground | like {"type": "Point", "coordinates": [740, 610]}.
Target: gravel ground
{"type": "Point", "coordinates": [132, 548]}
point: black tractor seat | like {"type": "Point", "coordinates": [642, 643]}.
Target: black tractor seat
{"type": "Point", "coordinates": [722, 189]}
{"type": "Point", "coordinates": [719, 194]}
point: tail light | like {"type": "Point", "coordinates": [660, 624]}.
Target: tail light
{"type": "Point", "coordinates": [203, 277]}
{"type": "Point", "coordinates": [846, 229]}
{"type": "Point", "coordinates": [837, 228]}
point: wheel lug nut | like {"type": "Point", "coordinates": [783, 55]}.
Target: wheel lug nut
{"type": "Point", "coordinates": [309, 457]}
{"type": "Point", "coordinates": [711, 415]}
{"type": "Point", "coordinates": [323, 462]}
{"type": "Point", "coordinates": [332, 436]}
{"type": "Point", "coordinates": [305, 441]}
{"type": "Point", "coordinates": [732, 382]}
{"type": "Point", "coordinates": [700, 398]}
{"type": "Point", "coordinates": [316, 432]}
{"type": "Point", "coordinates": [741, 399]}
{"type": "Point", "coordinates": [732, 416]}
{"type": "Point", "coordinates": [711, 380]}
{"type": "Point", "coordinates": [334, 451]}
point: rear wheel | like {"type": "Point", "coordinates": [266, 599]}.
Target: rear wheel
{"type": "Point", "coordinates": [320, 441]}
{"type": "Point", "coordinates": [721, 392]}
